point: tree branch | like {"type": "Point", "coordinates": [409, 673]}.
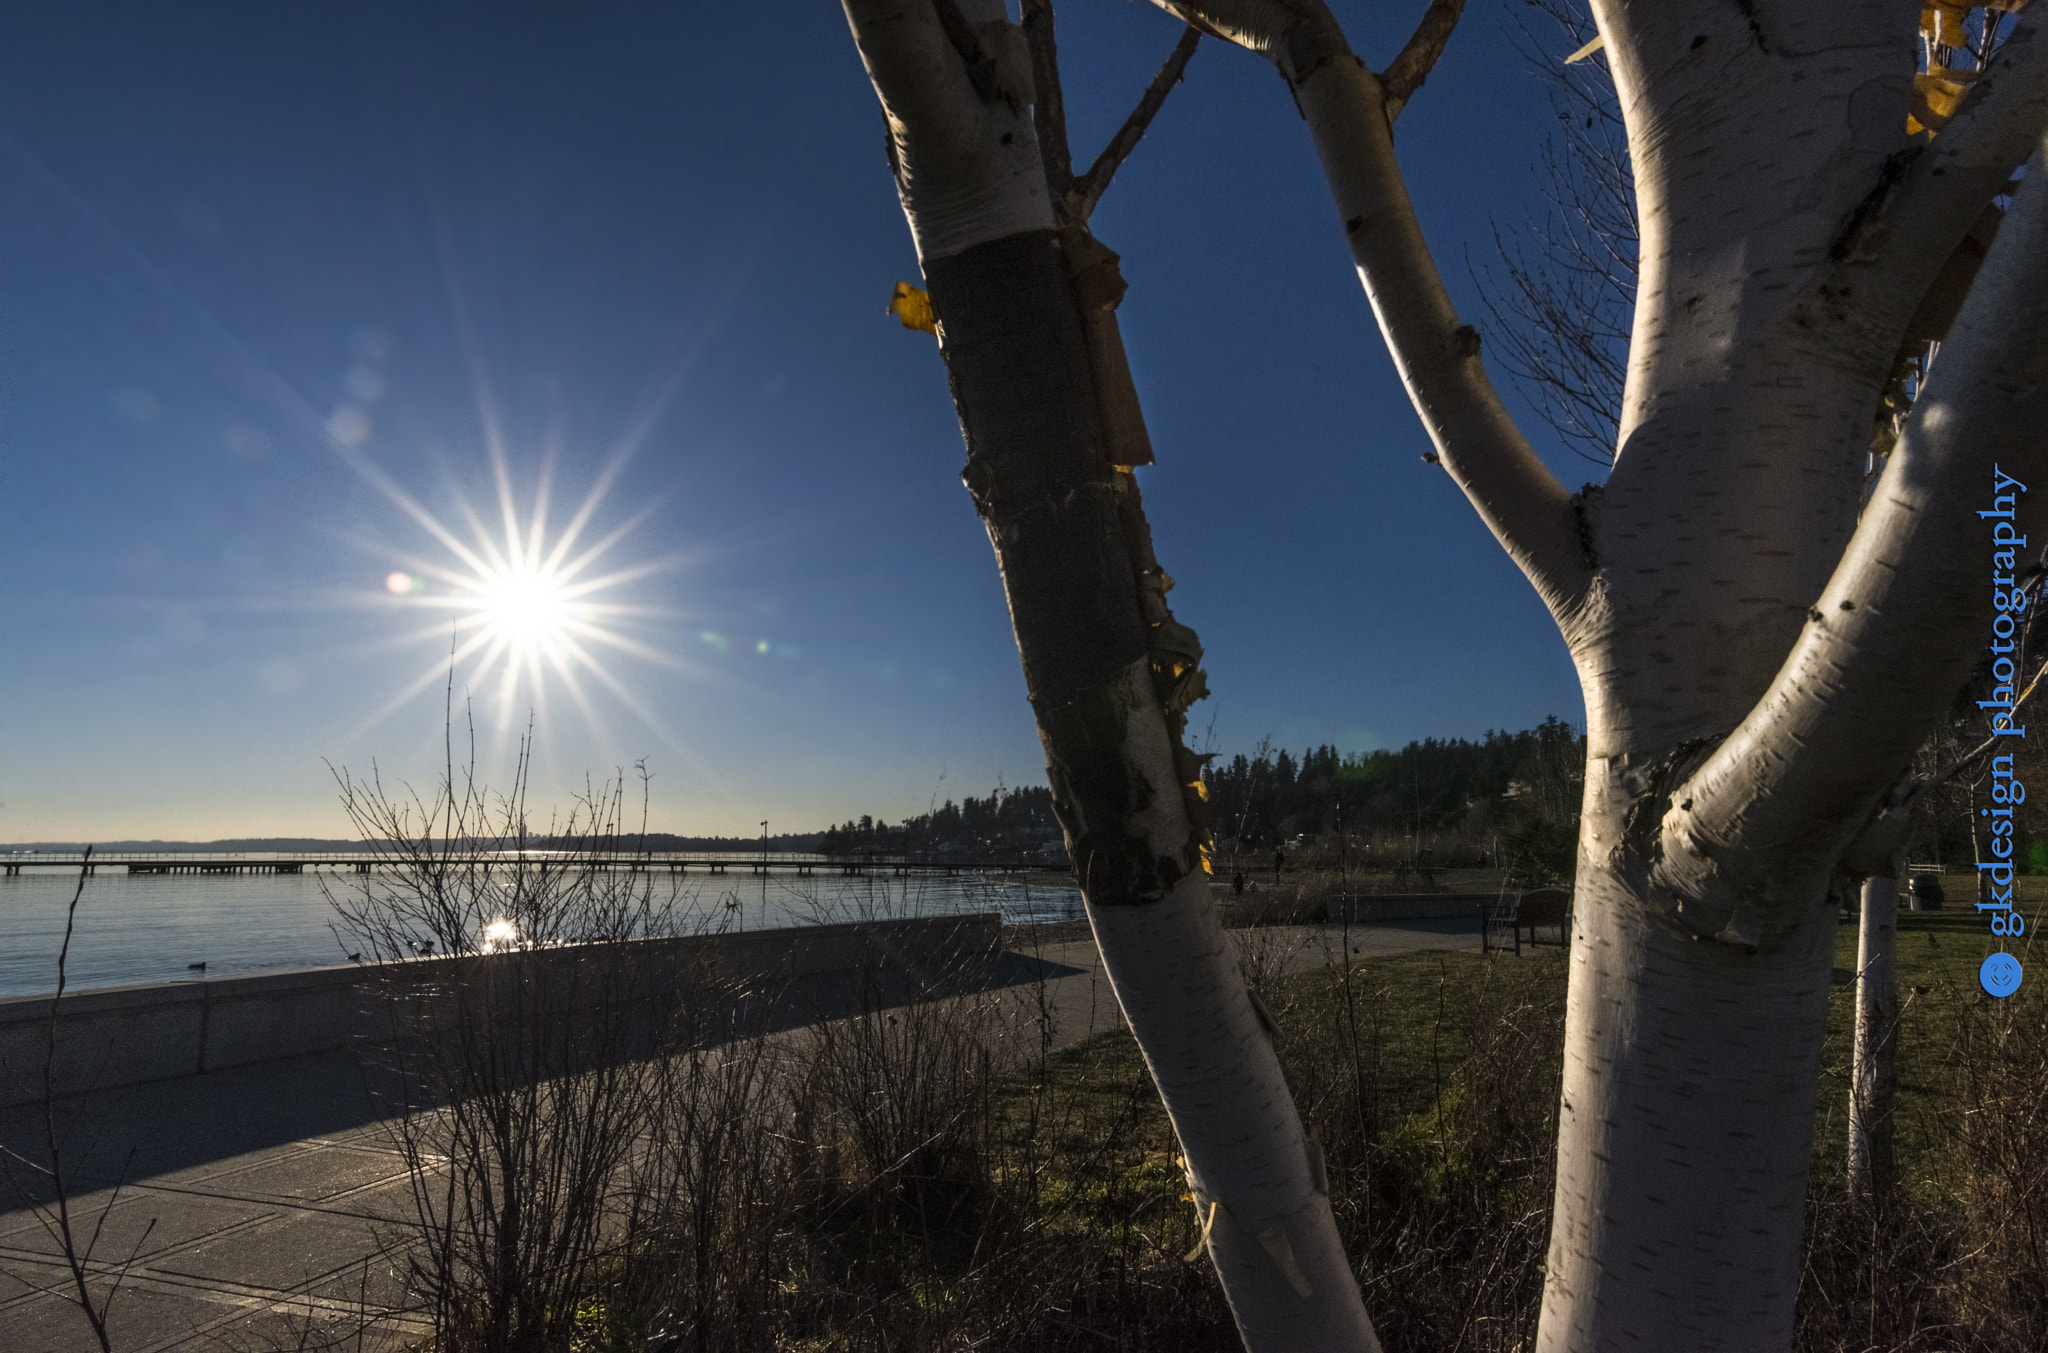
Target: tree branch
{"type": "Point", "coordinates": [1048, 108]}
{"type": "Point", "coordinates": [1088, 190]}
{"type": "Point", "coordinates": [1541, 526]}
{"type": "Point", "coordinates": [1419, 57]}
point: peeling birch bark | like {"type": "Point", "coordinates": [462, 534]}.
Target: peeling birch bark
{"type": "Point", "coordinates": [1108, 670]}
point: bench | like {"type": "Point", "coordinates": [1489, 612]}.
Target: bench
{"type": "Point", "coordinates": [1515, 912]}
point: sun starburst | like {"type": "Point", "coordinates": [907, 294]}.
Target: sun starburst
{"type": "Point", "coordinates": [528, 601]}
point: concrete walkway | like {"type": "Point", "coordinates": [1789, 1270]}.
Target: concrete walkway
{"type": "Point", "coordinates": [256, 1198]}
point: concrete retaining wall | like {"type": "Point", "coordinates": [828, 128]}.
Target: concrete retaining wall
{"type": "Point", "coordinates": [1408, 906]}
{"type": "Point", "coordinates": [128, 1035]}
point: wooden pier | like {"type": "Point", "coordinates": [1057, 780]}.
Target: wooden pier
{"type": "Point", "coordinates": [672, 862]}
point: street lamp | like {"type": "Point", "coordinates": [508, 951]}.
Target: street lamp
{"type": "Point", "coordinates": [1343, 855]}
{"type": "Point", "coordinates": [764, 843]}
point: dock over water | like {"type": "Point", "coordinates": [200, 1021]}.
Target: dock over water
{"type": "Point", "coordinates": [365, 862]}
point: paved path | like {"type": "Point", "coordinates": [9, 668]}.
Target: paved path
{"type": "Point", "coordinates": [256, 1196]}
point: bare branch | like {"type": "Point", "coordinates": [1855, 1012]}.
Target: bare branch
{"type": "Point", "coordinates": [1088, 190]}
{"type": "Point", "coordinates": [1048, 109]}
{"type": "Point", "coordinates": [1419, 57]}
{"type": "Point", "coordinates": [1563, 315]}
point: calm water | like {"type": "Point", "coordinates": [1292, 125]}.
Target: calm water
{"type": "Point", "coordinates": [146, 928]}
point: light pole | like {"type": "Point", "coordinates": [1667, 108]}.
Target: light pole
{"type": "Point", "coordinates": [764, 843]}
{"type": "Point", "coordinates": [1343, 874]}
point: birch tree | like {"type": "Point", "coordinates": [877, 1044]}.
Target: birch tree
{"type": "Point", "coordinates": [1022, 298]}
{"type": "Point", "coordinates": [1760, 649]}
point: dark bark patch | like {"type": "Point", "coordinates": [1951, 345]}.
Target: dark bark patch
{"type": "Point", "coordinates": [1849, 245]}
{"type": "Point", "coordinates": [1756, 23]}
{"type": "Point", "coordinates": [1643, 833]}
{"type": "Point", "coordinates": [1096, 792]}
{"type": "Point", "coordinates": [1585, 511]}
{"type": "Point", "coordinates": [1017, 361]}
{"type": "Point", "coordinates": [1030, 346]}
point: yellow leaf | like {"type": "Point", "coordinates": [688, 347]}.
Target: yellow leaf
{"type": "Point", "coordinates": [1936, 96]}
{"type": "Point", "coordinates": [913, 306]}
{"type": "Point", "coordinates": [1580, 55]}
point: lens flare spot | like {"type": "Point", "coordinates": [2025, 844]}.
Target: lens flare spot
{"type": "Point", "coordinates": [398, 584]}
{"type": "Point", "coordinates": [349, 425]}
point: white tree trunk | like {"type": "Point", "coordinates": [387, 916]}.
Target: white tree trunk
{"type": "Point", "coordinates": [1689, 1089]}
{"type": "Point", "coordinates": [1760, 650]}
{"type": "Point", "coordinates": [1874, 1081]}
{"type": "Point", "coordinates": [1075, 559]}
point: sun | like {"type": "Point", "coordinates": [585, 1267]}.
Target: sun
{"type": "Point", "coordinates": [531, 599]}
{"type": "Point", "coordinates": [529, 607]}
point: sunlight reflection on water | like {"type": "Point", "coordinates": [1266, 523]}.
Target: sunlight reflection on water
{"type": "Point", "coordinates": [148, 929]}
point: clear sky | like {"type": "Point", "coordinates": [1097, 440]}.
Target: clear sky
{"type": "Point", "coordinates": [275, 279]}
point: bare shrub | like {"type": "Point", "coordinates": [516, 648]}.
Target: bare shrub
{"type": "Point", "coordinates": [519, 1050]}
{"type": "Point", "coordinates": [1998, 1130]}
{"type": "Point", "coordinates": [1876, 1276]}
{"type": "Point", "coordinates": [702, 1251]}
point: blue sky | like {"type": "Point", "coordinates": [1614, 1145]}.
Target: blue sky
{"type": "Point", "coordinates": [274, 279]}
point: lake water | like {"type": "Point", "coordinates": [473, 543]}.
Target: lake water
{"type": "Point", "coordinates": [147, 928]}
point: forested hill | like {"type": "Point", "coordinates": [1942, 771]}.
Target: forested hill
{"type": "Point", "coordinates": [1437, 785]}
{"type": "Point", "coordinates": [1007, 820]}
{"type": "Point", "coordinates": [1509, 794]}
